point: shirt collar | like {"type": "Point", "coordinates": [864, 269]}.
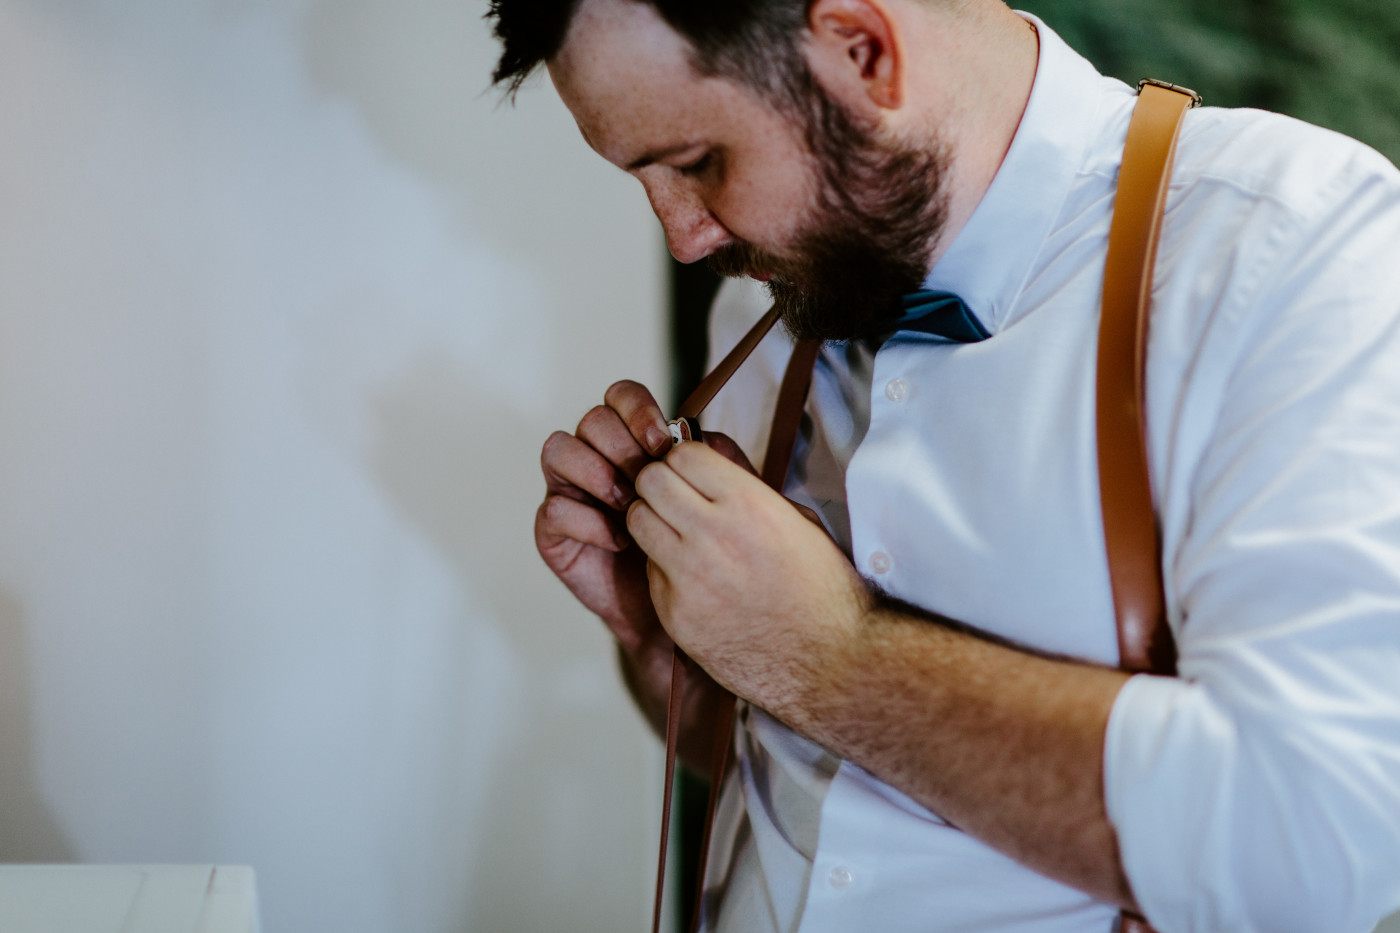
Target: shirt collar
{"type": "Point", "coordinates": [989, 260]}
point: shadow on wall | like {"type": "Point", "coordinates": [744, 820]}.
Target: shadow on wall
{"type": "Point", "coordinates": [456, 467]}
{"type": "Point", "coordinates": [28, 831]}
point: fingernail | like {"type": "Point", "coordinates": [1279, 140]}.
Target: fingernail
{"type": "Point", "coordinates": [620, 497]}
{"type": "Point", "coordinates": [656, 439]}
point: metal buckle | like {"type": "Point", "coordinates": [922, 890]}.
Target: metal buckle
{"type": "Point", "coordinates": [1196, 99]}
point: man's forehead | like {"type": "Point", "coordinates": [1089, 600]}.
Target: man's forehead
{"type": "Point", "coordinates": [621, 61]}
{"type": "Point", "coordinates": [593, 18]}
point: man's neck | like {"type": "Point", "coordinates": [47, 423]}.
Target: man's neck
{"type": "Point", "coordinates": [992, 86]}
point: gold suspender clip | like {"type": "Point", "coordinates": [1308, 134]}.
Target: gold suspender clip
{"type": "Point", "coordinates": [1196, 99]}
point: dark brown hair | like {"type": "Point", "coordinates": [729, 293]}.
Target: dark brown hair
{"type": "Point", "coordinates": [757, 42]}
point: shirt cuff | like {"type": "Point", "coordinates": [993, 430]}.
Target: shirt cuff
{"type": "Point", "coordinates": [1152, 720]}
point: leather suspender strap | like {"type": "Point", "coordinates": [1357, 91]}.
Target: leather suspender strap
{"type": "Point", "coordinates": [709, 387]}
{"type": "Point", "coordinates": [673, 731]}
{"type": "Point", "coordinates": [1130, 528]}
{"type": "Point", "coordinates": [787, 417]}
{"type": "Point", "coordinates": [1131, 533]}
{"type": "Point", "coordinates": [1130, 524]}
{"type": "Point", "coordinates": [691, 408]}
{"type": "Point", "coordinates": [788, 413]}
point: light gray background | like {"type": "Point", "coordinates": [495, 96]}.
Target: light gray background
{"type": "Point", "coordinates": [288, 304]}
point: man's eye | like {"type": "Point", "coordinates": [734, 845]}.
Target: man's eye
{"type": "Point", "coordinates": [699, 166]}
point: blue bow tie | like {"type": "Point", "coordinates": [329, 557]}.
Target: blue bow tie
{"type": "Point", "coordinates": [940, 313]}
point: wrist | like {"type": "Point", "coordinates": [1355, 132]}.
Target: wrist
{"type": "Point", "coordinates": [827, 664]}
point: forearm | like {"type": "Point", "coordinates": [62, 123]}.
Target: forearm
{"type": "Point", "coordinates": [1003, 744]}
{"type": "Point", "coordinates": [1006, 745]}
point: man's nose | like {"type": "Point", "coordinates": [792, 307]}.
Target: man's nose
{"type": "Point", "coordinates": [692, 231]}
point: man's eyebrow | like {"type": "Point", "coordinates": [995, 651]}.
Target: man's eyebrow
{"type": "Point", "coordinates": [656, 155]}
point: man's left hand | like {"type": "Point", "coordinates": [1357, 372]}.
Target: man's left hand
{"type": "Point", "coordinates": [748, 586]}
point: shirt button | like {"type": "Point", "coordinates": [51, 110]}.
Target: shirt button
{"type": "Point", "coordinates": [896, 390]}
{"type": "Point", "coordinates": [881, 563]}
{"type": "Point", "coordinates": [840, 878]}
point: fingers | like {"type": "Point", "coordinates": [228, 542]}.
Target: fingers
{"type": "Point", "coordinates": [658, 540]}
{"type": "Point", "coordinates": [604, 430]}
{"type": "Point", "coordinates": [612, 443]}
{"type": "Point", "coordinates": [638, 410]}
{"type": "Point", "coordinates": [577, 470]}
{"type": "Point", "coordinates": [685, 492]}
{"type": "Point", "coordinates": [700, 478]}
{"type": "Point", "coordinates": [564, 519]}
{"type": "Point", "coordinates": [676, 501]}
{"type": "Point", "coordinates": [710, 472]}
{"type": "Point", "coordinates": [605, 460]}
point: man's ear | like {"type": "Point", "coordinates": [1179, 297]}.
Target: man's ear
{"type": "Point", "coordinates": [857, 52]}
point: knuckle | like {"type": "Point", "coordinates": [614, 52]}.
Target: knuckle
{"type": "Point", "coordinates": [633, 403]}
{"type": "Point", "coordinates": [646, 479]}
{"type": "Point", "coordinates": [555, 510]}
{"type": "Point", "coordinates": [595, 417]}
{"type": "Point", "coordinates": [683, 454]}
{"type": "Point", "coordinates": [622, 393]}
{"type": "Point", "coordinates": [554, 446]}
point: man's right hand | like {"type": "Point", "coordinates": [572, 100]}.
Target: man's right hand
{"type": "Point", "coordinates": [581, 532]}
{"type": "Point", "coordinates": [580, 528]}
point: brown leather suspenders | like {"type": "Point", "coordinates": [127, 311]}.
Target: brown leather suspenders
{"type": "Point", "coordinates": [787, 415]}
{"type": "Point", "coordinates": [1131, 533]}
{"type": "Point", "coordinates": [1130, 525]}
{"type": "Point", "coordinates": [1129, 521]}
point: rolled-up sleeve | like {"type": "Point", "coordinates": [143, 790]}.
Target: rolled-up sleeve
{"type": "Point", "coordinates": [1261, 790]}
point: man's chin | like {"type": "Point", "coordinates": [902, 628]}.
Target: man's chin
{"type": "Point", "coordinates": [855, 318]}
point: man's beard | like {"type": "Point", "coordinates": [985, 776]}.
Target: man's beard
{"type": "Point", "coordinates": [879, 210]}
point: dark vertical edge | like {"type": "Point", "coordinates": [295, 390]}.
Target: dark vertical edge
{"type": "Point", "coordinates": [692, 290]}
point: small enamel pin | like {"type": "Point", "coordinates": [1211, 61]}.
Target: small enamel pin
{"type": "Point", "coordinates": [684, 429]}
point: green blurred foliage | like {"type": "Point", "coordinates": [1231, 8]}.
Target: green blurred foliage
{"type": "Point", "coordinates": [1335, 63]}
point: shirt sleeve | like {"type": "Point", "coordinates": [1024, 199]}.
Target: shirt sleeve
{"type": "Point", "coordinates": [1261, 790]}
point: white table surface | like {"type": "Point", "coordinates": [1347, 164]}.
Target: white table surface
{"type": "Point", "coordinates": [127, 899]}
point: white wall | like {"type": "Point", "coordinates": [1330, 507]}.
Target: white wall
{"type": "Point", "coordinates": [287, 305]}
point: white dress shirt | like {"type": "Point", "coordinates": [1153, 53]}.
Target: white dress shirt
{"type": "Point", "coordinates": [1259, 792]}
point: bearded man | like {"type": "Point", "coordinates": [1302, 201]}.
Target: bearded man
{"type": "Point", "coordinates": [932, 732]}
